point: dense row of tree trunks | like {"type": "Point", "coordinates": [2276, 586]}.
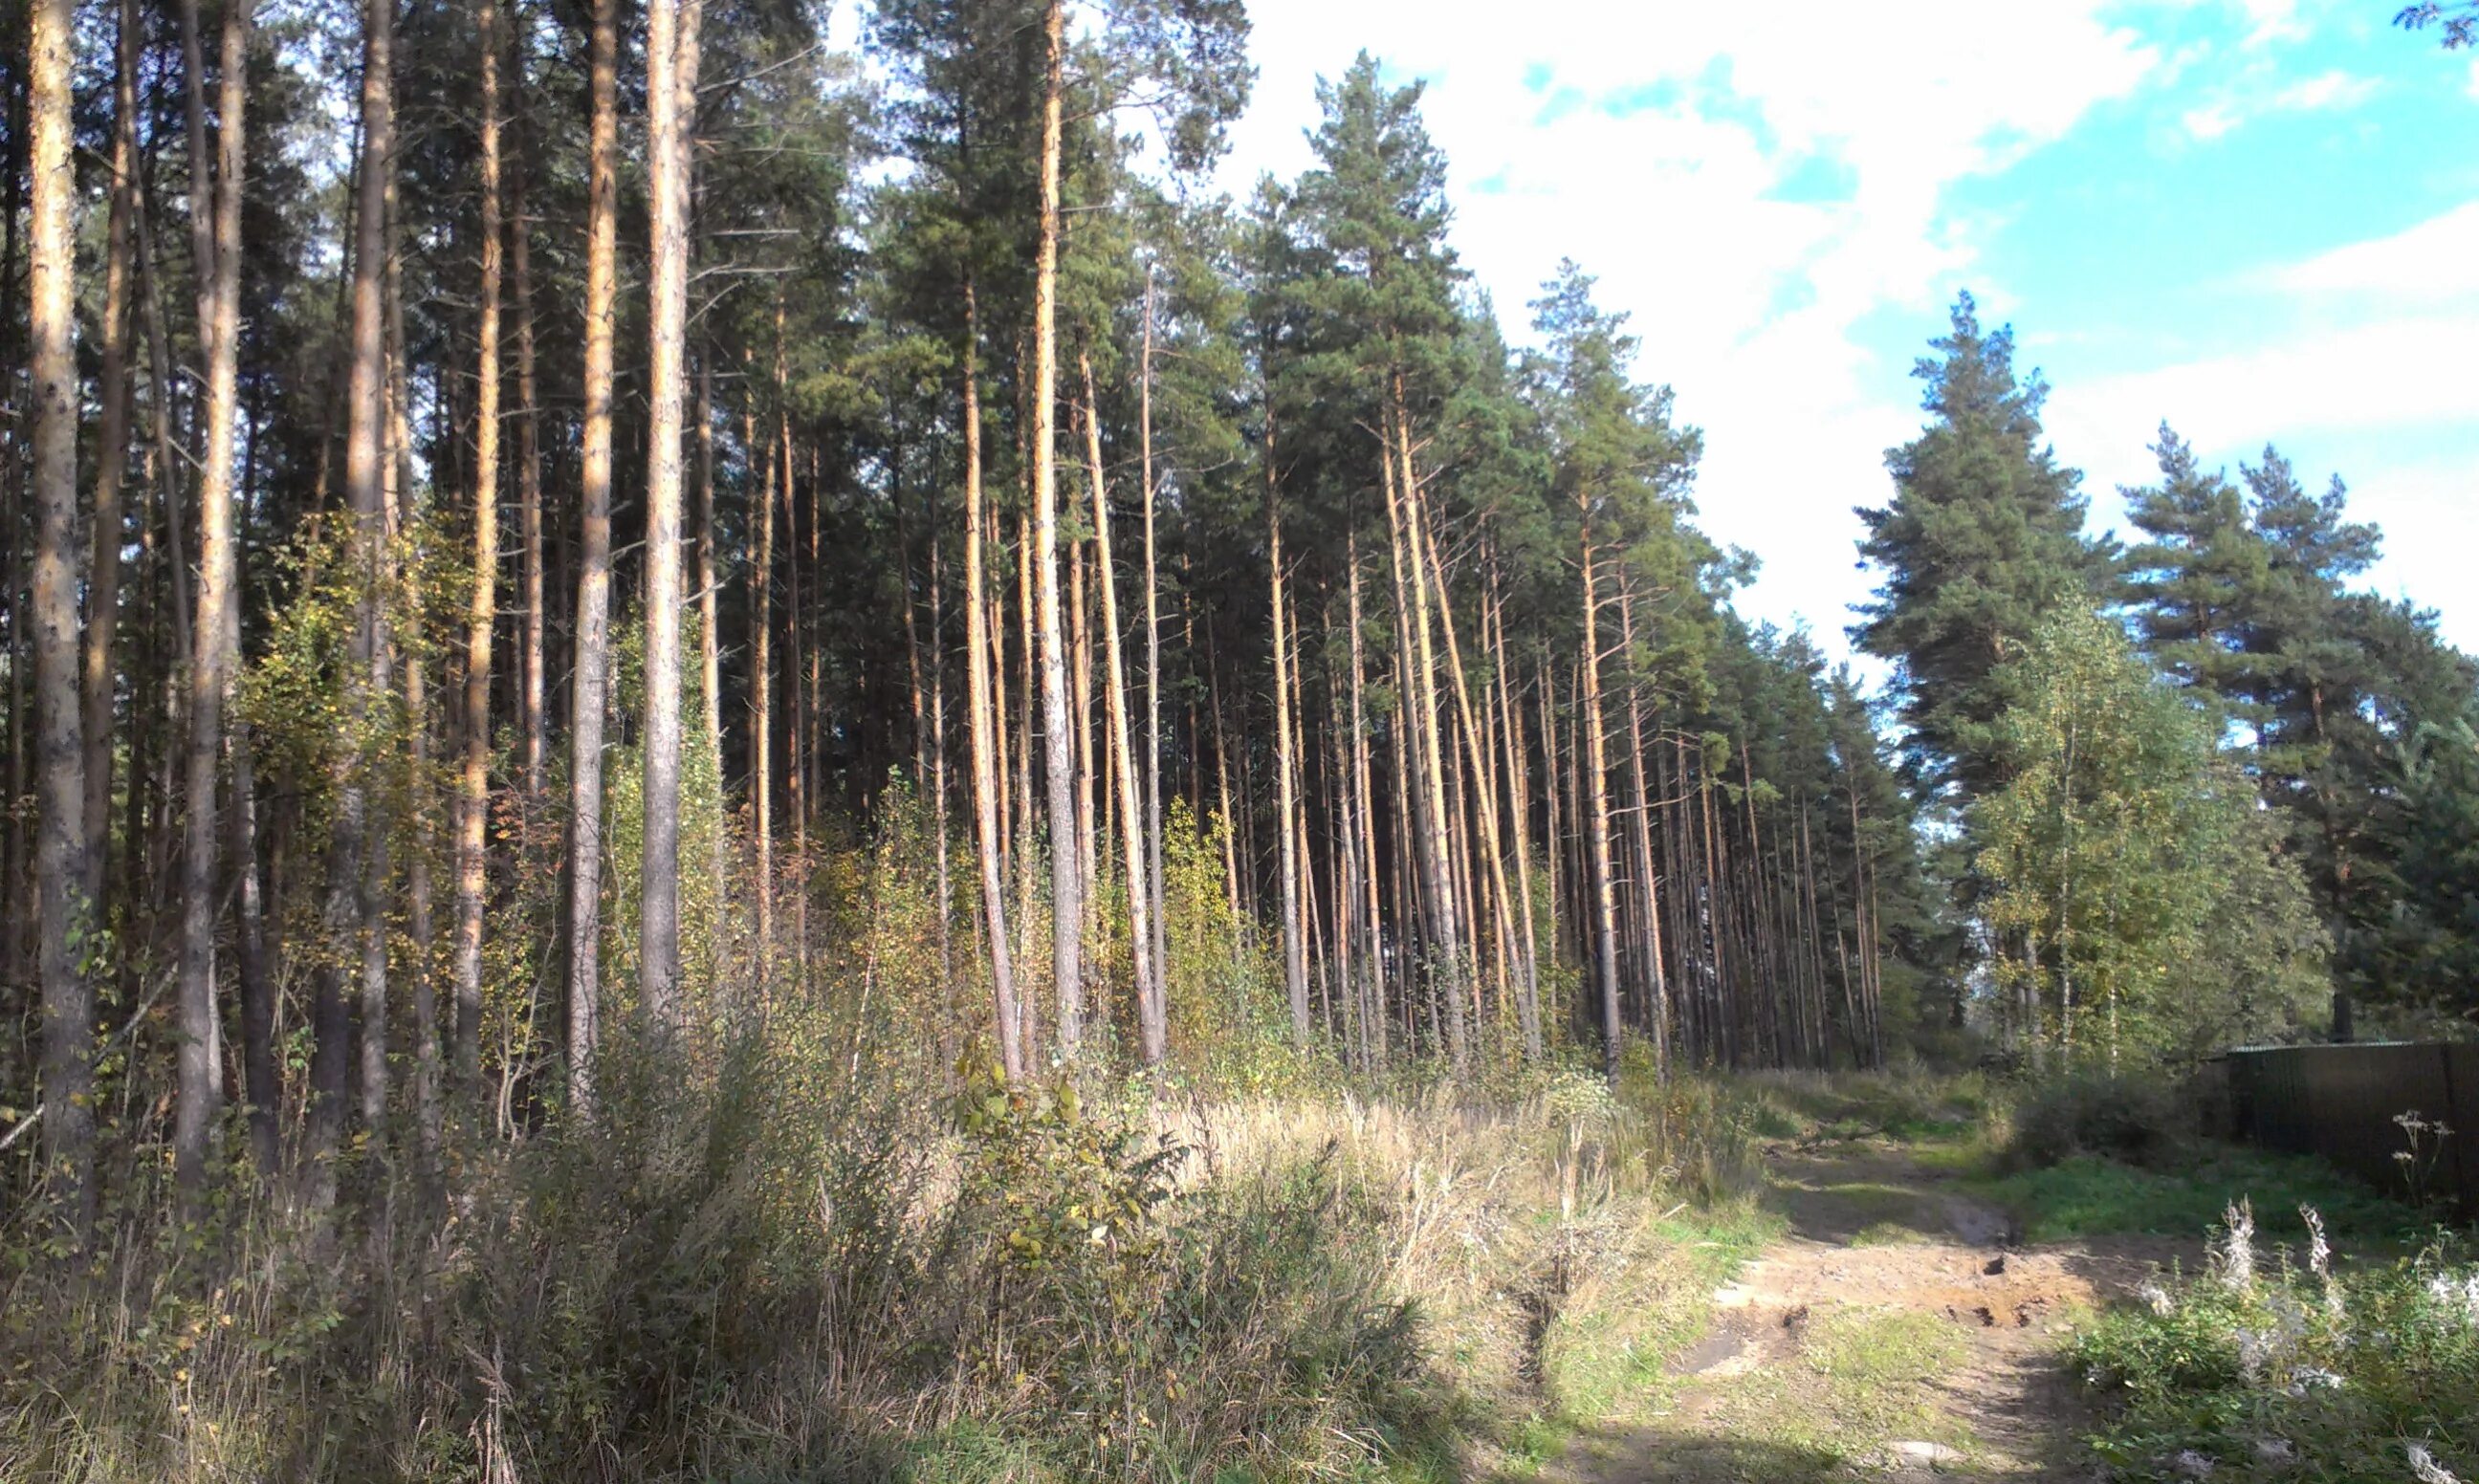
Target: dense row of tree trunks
{"type": "Point", "coordinates": [1420, 807]}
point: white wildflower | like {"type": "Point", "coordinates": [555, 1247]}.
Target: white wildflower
{"type": "Point", "coordinates": [2463, 1296]}
{"type": "Point", "coordinates": [2424, 1468]}
{"type": "Point", "coordinates": [2308, 1378]}
{"type": "Point", "coordinates": [2235, 1259]}
{"type": "Point", "coordinates": [2255, 1347]}
{"type": "Point", "coordinates": [2319, 1252]}
{"type": "Point", "coordinates": [2319, 1262]}
{"type": "Point", "coordinates": [2192, 1464]}
{"type": "Point", "coordinates": [2159, 1300]}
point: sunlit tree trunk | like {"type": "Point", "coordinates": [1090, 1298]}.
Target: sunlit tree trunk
{"type": "Point", "coordinates": [1519, 814]}
{"type": "Point", "coordinates": [593, 662]}
{"type": "Point", "coordinates": [1151, 1027]}
{"type": "Point", "coordinates": [1152, 651]}
{"type": "Point", "coordinates": [982, 720]}
{"type": "Point", "coordinates": [1596, 825]}
{"type": "Point", "coordinates": [64, 948]}
{"type": "Point", "coordinates": [671, 92]}
{"type": "Point", "coordinates": [1649, 892]}
{"type": "Point", "coordinates": [1295, 968]}
{"type": "Point", "coordinates": [481, 614]}
{"type": "Point", "coordinates": [216, 191]}
{"type": "Point", "coordinates": [1067, 884]}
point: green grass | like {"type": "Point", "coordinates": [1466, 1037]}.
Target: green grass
{"type": "Point", "coordinates": [1910, 1109]}
{"type": "Point", "coordinates": [1604, 1355]}
{"type": "Point", "coordinates": [1865, 1378]}
{"type": "Point", "coordinates": [2287, 1376]}
{"type": "Point", "coordinates": [2087, 1195]}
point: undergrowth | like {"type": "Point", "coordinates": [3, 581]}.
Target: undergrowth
{"type": "Point", "coordinates": [793, 1275]}
{"type": "Point", "coordinates": [2292, 1365]}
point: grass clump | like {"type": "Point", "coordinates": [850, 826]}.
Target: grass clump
{"type": "Point", "coordinates": [1864, 1378]}
{"type": "Point", "coordinates": [2140, 1120]}
{"type": "Point", "coordinates": [2088, 1195]}
{"type": "Point", "coordinates": [772, 1270]}
{"type": "Point", "coordinates": [2294, 1370]}
{"type": "Point", "coordinates": [1909, 1107]}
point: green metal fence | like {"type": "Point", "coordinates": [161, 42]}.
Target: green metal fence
{"type": "Point", "coordinates": [2342, 1103]}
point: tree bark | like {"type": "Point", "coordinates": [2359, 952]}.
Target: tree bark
{"type": "Point", "coordinates": [1520, 813]}
{"type": "Point", "coordinates": [982, 720]}
{"type": "Point", "coordinates": [529, 481]}
{"type": "Point", "coordinates": [64, 947]}
{"type": "Point", "coordinates": [1598, 825]}
{"type": "Point", "coordinates": [1159, 946]}
{"type": "Point", "coordinates": [671, 91]}
{"type": "Point", "coordinates": [112, 458]}
{"type": "Point", "coordinates": [1067, 884]}
{"type": "Point", "coordinates": [473, 791]}
{"type": "Point", "coordinates": [1295, 968]}
{"type": "Point", "coordinates": [593, 566]}
{"type": "Point", "coordinates": [349, 912]}
{"type": "Point", "coordinates": [1656, 988]}
{"type": "Point", "coordinates": [199, 1068]}
{"type": "Point", "coordinates": [761, 679]}
{"type": "Point", "coordinates": [1151, 1029]}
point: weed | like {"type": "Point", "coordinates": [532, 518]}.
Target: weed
{"type": "Point", "coordinates": [2087, 1195]}
{"type": "Point", "coordinates": [2320, 1373]}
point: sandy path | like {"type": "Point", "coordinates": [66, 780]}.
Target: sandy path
{"type": "Point", "coordinates": [1895, 1332]}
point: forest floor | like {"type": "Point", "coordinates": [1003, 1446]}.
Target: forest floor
{"type": "Point", "coordinates": [1898, 1329]}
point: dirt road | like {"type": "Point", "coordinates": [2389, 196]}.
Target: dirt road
{"type": "Point", "coordinates": [1896, 1332]}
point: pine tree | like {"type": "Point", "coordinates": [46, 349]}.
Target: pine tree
{"type": "Point", "coordinates": [2196, 582]}
{"type": "Point", "coordinates": [1983, 536]}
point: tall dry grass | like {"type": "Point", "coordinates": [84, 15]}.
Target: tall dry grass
{"type": "Point", "coordinates": [785, 1275]}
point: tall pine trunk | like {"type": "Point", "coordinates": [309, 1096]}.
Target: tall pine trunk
{"type": "Point", "coordinates": [1159, 947]}
{"type": "Point", "coordinates": [1597, 826]}
{"type": "Point", "coordinates": [199, 1068]}
{"type": "Point", "coordinates": [112, 457]}
{"type": "Point", "coordinates": [473, 780]}
{"type": "Point", "coordinates": [349, 913]}
{"type": "Point", "coordinates": [982, 720]}
{"type": "Point", "coordinates": [1295, 969]}
{"type": "Point", "coordinates": [64, 947]}
{"type": "Point", "coordinates": [592, 675]}
{"type": "Point", "coordinates": [671, 92]}
{"type": "Point", "coordinates": [1066, 882]}
{"type": "Point", "coordinates": [1151, 1027]}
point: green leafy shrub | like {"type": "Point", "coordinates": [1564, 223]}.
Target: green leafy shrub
{"type": "Point", "coordinates": [2293, 1369]}
{"type": "Point", "coordinates": [2137, 1120]}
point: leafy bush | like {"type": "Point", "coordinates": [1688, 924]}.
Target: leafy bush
{"type": "Point", "coordinates": [2137, 1120]}
{"type": "Point", "coordinates": [2295, 1371]}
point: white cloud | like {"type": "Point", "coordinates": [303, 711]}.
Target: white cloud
{"type": "Point", "coordinates": [2433, 264]}
{"type": "Point", "coordinates": [2361, 363]}
{"type": "Point", "coordinates": [2258, 93]}
{"type": "Point", "coordinates": [1755, 184]}
{"type": "Point", "coordinates": [2325, 90]}
{"type": "Point", "coordinates": [2399, 372]}
{"type": "Point", "coordinates": [1665, 171]}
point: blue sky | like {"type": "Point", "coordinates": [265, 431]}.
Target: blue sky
{"type": "Point", "coordinates": [2257, 218]}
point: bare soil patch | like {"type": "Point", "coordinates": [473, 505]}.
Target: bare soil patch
{"type": "Point", "coordinates": [1899, 1331]}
